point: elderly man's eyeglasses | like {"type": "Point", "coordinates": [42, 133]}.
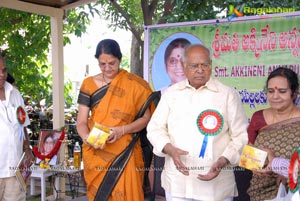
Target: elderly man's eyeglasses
{"type": "Point", "coordinates": [202, 66]}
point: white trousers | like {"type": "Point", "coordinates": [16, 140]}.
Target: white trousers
{"type": "Point", "coordinates": [10, 190]}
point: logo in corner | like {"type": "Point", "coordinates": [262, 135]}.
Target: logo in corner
{"type": "Point", "coordinates": [234, 12]}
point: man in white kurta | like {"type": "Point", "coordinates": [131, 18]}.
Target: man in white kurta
{"type": "Point", "coordinates": [199, 126]}
{"type": "Point", "coordinates": [13, 133]}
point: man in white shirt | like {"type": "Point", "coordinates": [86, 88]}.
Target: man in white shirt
{"type": "Point", "coordinates": [200, 127]}
{"type": "Point", "coordinates": [13, 119]}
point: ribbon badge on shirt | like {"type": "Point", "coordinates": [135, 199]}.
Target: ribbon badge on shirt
{"type": "Point", "coordinates": [21, 115]}
{"type": "Point", "coordinates": [294, 171]}
{"type": "Point", "coordinates": [210, 123]}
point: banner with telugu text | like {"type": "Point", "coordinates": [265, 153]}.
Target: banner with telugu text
{"type": "Point", "coordinates": [244, 51]}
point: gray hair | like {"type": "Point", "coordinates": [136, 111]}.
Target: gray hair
{"type": "Point", "coordinates": [196, 45]}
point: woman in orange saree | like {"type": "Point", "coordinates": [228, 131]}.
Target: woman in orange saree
{"type": "Point", "coordinates": [113, 98]}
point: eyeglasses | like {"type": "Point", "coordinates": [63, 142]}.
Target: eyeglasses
{"type": "Point", "coordinates": [109, 64]}
{"type": "Point", "coordinates": [195, 67]}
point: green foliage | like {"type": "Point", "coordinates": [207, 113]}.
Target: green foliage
{"type": "Point", "coordinates": [122, 13]}
{"type": "Point", "coordinates": [76, 21]}
{"type": "Point", "coordinates": [25, 42]}
{"type": "Point", "coordinates": [68, 95]}
{"type": "Point", "coordinates": [125, 63]}
{"type": "Point", "coordinates": [109, 12]}
{"type": "Point", "coordinates": [193, 11]}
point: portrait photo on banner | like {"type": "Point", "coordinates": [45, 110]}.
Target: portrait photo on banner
{"type": "Point", "coordinates": [166, 65]}
{"type": "Point", "coordinates": [47, 142]}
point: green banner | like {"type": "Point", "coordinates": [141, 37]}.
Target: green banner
{"type": "Point", "coordinates": [244, 51]}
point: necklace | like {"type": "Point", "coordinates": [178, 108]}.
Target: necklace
{"type": "Point", "coordinates": [289, 116]}
{"type": "Point", "coordinates": [104, 79]}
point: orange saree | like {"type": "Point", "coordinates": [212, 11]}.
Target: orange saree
{"type": "Point", "coordinates": [124, 98]}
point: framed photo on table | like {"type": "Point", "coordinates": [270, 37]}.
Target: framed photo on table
{"type": "Point", "coordinates": [48, 145]}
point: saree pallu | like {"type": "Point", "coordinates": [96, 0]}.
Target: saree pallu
{"type": "Point", "coordinates": [124, 98]}
{"type": "Point", "coordinates": [282, 138]}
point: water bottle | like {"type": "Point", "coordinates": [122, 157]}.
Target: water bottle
{"type": "Point", "coordinates": [77, 155]}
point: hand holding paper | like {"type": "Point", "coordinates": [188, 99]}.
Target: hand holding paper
{"type": "Point", "coordinates": [253, 158]}
{"type": "Point", "coordinates": [98, 136]}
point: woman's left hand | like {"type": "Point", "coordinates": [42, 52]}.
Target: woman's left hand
{"type": "Point", "coordinates": [267, 169]}
{"type": "Point", "coordinates": [116, 133]}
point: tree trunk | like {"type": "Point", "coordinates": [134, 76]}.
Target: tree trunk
{"type": "Point", "coordinates": [136, 60]}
